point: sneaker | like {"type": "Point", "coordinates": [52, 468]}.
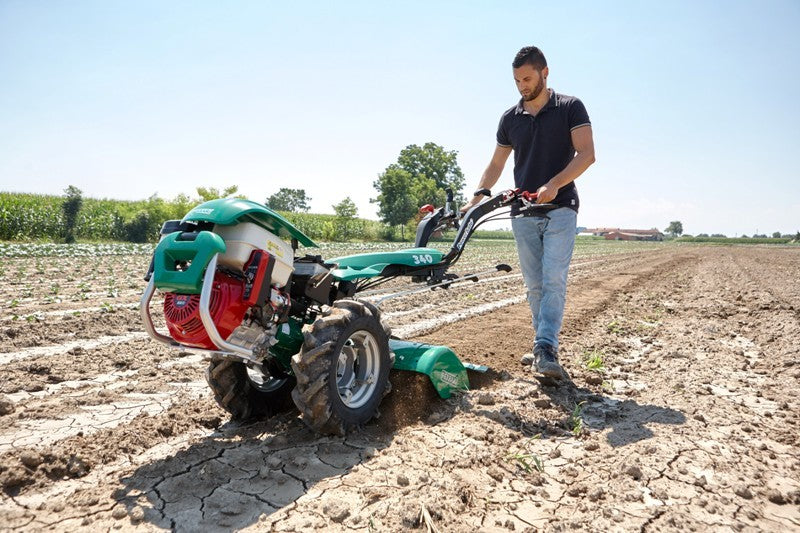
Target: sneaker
{"type": "Point", "coordinates": [526, 359]}
{"type": "Point", "coordinates": [546, 361]}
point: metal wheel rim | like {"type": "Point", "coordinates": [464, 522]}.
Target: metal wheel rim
{"type": "Point", "coordinates": [357, 369]}
{"type": "Point", "coordinates": [262, 382]}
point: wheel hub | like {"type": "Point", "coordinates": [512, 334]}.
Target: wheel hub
{"type": "Point", "coordinates": [357, 364]}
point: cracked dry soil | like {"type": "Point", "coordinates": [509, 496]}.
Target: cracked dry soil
{"type": "Point", "coordinates": [686, 423]}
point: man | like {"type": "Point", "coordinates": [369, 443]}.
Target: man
{"type": "Point", "coordinates": [551, 137]}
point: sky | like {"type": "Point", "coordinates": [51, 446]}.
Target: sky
{"type": "Point", "coordinates": [694, 105]}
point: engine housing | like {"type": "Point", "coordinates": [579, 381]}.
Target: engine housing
{"type": "Point", "coordinates": [227, 309]}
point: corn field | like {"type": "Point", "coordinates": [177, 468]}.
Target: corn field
{"type": "Point", "coordinates": [36, 217]}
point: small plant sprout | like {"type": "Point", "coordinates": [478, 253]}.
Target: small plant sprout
{"type": "Point", "coordinates": [593, 360]}
{"type": "Point", "coordinates": [526, 459]}
{"type": "Point", "coordinates": [112, 291]}
{"type": "Point", "coordinates": [614, 327]}
{"type": "Point", "coordinates": [576, 419]}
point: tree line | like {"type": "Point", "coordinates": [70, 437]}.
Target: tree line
{"type": "Point", "coordinates": [419, 176]}
{"type": "Point", "coordinates": [675, 229]}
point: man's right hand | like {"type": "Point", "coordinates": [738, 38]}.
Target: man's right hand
{"type": "Point", "coordinates": [472, 203]}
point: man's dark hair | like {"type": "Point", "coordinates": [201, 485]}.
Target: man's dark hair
{"type": "Point", "coordinates": [530, 55]}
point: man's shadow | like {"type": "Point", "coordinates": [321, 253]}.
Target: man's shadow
{"type": "Point", "coordinates": [627, 419]}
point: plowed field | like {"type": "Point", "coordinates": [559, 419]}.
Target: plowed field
{"type": "Point", "coordinates": [681, 414]}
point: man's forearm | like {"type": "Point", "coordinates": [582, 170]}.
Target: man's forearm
{"type": "Point", "coordinates": [573, 170]}
{"type": "Point", "coordinates": [490, 176]}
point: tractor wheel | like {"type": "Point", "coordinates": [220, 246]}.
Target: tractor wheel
{"type": "Point", "coordinates": [343, 368]}
{"type": "Point", "coordinates": [247, 393]}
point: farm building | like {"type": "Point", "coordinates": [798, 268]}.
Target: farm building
{"type": "Point", "coordinates": [617, 234]}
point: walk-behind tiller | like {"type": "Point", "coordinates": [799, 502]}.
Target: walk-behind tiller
{"type": "Point", "coordinates": [277, 328]}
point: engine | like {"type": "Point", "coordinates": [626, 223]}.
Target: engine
{"type": "Point", "coordinates": [238, 297]}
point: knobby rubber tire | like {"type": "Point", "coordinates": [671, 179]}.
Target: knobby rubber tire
{"type": "Point", "coordinates": [316, 394]}
{"type": "Point", "coordinates": [238, 395]}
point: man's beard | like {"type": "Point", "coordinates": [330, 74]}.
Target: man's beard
{"type": "Point", "coordinates": [536, 91]}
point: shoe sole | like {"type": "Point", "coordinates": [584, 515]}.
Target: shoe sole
{"type": "Point", "coordinates": [552, 371]}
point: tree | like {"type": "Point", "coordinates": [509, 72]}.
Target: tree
{"type": "Point", "coordinates": [675, 228]}
{"type": "Point", "coordinates": [346, 212]}
{"type": "Point", "coordinates": [70, 208]}
{"type": "Point", "coordinates": [434, 162]}
{"type": "Point", "coordinates": [396, 196]}
{"type": "Point", "coordinates": [212, 193]}
{"type": "Point", "coordinates": [776, 234]}
{"type": "Point", "coordinates": [294, 200]}
{"type": "Point", "coordinates": [346, 209]}
{"type": "Point", "coordinates": [420, 176]}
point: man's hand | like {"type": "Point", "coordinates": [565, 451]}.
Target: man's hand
{"type": "Point", "coordinates": [469, 205]}
{"type": "Point", "coordinates": [547, 193]}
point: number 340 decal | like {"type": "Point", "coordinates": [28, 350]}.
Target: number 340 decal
{"type": "Point", "coordinates": [423, 259]}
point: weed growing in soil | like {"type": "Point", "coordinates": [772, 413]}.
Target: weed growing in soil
{"type": "Point", "coordinates": [593, 360]}
{"type": "Point", "coordinates": [614, 327]}
{"type": "Point", "coordinates": [525, 458]}
{"type": "Point", "coordinates": [576, 419]}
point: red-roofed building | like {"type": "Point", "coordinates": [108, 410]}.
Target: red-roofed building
{"type": "Point", "coordinates": [617, 234]}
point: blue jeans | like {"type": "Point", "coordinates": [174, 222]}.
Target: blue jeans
{"type": "Point", "coordinates": [545, 250]}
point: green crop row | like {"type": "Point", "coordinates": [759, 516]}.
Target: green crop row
{"type": "Point", "coordinates": [36, 217]}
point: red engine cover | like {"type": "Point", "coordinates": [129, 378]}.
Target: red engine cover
{"type": "Point", "coordinates": [227, 309]}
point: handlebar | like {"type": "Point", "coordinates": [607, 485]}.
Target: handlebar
{"type": "Point", "coordinates": [521, 204]}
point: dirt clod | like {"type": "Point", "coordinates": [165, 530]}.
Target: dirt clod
{"type": "Point", "coordinates": [633, 471]}
{"type": "Point", "coordinates": [6, 405]}
{"type": "Point", "coordinates": [336, 510]}
{"type": "Point", "coordinates": [775, 496]}
{"type": "Point", "coordinates": [486, 399]}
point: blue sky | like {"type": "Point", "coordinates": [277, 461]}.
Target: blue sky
{"type": "Point", "coordinates": [693, 104]}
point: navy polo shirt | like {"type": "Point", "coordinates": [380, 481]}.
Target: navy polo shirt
{"type": "Point", "coordinates": [543, 143]}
